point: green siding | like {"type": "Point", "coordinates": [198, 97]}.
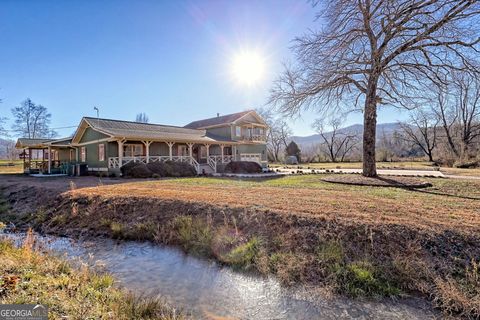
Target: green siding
{"type": "Point", "coordinates": [64, 155]}
{"type": "Point", "coordinates": [91, 135]}
{"type": "Point", "coordinates": [112, 149]}
{"type": "Point", "coordinates": [92, 155]}
{"type": "Point", "coordinates": [224, 132]}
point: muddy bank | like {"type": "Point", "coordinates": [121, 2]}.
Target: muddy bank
{"type": "Point", "coordinates": [353, 259]}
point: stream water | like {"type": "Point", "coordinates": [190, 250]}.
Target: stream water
{"type": "Point", "coordinates": [205, 290]}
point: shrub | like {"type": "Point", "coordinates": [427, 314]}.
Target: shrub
{"type": "Point", "coordinates": [140, 171]}
{"type": "Point", "coordinates": [467, 164]}
{"type": "Point", "coordinates": [361, 279]}
{"type": "Point", "coordinates": [125, 169]}
{"type": "Point", "coordinates": [243, 167]}
{"type": "Point", "coordinates": [172, 169]}
{"type": "Point", "coordinates": [194, 235]}
{"type": "Point", "coordinates": [244, 255]}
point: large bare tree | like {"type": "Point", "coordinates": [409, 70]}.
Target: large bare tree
{"type": "Point", "coordinates": [32, 120]}
{"type": "Point", "coordinates": [421, 131]}
{"type": "Point", "coordinates": [377, 52]}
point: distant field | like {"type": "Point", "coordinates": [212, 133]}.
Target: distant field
{"type": "Point", "coordinates": [6, 168]}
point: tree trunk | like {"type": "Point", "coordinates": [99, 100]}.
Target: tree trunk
{"type": "Point", "coordinates": [369, 130]}
{"type": "Point", "coordinates": [430, 157]}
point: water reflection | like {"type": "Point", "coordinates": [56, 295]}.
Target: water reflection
{"type": "Point", "coordinates": [209, 291]}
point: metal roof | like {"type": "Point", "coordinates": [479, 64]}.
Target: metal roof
{"type": "Point", "coordinates": [137, 130]}
{"type": "Point", "coordinates": [32, 143]}
{"type": "Point", "coordinates": [226, 119]}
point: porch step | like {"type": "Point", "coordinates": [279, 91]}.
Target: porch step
{"type": "Point", "coordinates": [205, 168]}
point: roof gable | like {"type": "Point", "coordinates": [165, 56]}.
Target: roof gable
{"type": "Point", "coordinates": [217, 121]}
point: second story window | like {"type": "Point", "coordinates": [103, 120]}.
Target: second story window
{"type": "Point", "coordinates": [238, 131]}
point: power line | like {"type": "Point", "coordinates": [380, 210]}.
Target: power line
{"type": "Point", "coordinates": [69, 127]}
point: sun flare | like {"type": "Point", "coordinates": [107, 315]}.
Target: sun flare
{"type": "Point", "coordinates": [248, 67]}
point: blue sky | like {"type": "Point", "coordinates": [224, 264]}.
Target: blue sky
{"type": "Point", "coordinates": [169, 59]}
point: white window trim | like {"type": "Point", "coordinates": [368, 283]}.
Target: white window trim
{"type": "Point", "coordinates": [236, 131]}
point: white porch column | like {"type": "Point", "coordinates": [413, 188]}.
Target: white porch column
{"type": "Point", "coordinates": [190, 151]}
{"type": "Point", "coordinates": [221, 148]}
{"type": "Point", "coordinates": [49, 159]}
{"type": "Point", "coordinates": [170, 151]}
{"type": "Point", "coordinates": [147, 148]}
{"type": "Point", "coordinates": [234, 151]}
{"type": "Point", "coordinates": [120, 152]}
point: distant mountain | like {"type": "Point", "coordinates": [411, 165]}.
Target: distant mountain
{"type": "Point", "coordinates": [382, 128]}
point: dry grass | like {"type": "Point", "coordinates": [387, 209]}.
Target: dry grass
{"type": "Point", "coordinates": [356, 240]}
{"type": "Point", "coordinates": [5, 168]}
{"type": "Point", "coordinates": [449, 204]}
{"type": "Point", "coordinates": [30, 276]}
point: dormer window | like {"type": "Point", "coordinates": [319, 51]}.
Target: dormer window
{"type": "Point", "coordinates": [238, 131]}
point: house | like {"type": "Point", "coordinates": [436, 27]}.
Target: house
{"type": "Point", "coordinates": [104, 145]}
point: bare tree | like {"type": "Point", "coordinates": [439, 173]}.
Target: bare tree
{"type": "Point", "coordinates": [370, 53]}
{"type": "Point", "coordinates": [32, 120]}
{"type": "Point", "coordinates": [337, 143]}
{"type": "Point", "coordinates": [447, 116]}
{"type": "Point", "coordinates": [3, 132]}
{"type": "Point", "coordinates": [142, 117]}
{"type": "Point", "coordinates": [458, 108]}
{"type": "Point", "coordinates": [278, 133]}
{"type": "Point", "coordinates": [468, 111]}
{"type": "Point", "coordinates": [421, 131]}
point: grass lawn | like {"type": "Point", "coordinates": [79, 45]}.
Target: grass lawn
{"type": "Point", "coordinates": [448, 204]}
{"type": "Point", "coordinates": [5, 166]}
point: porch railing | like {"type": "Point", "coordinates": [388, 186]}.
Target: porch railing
{"type": "Point", "coordinates": [114, 162]}
{"type": "Point", "coordinates": [222, 159]}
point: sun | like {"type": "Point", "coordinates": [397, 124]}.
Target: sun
{"type": "Point", "coordinates": [248, 67]}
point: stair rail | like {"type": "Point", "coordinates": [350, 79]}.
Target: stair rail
{"type": "Point", "coordinates": [195, 164]}
{"type": "Point", "coordinates": [212, 163]}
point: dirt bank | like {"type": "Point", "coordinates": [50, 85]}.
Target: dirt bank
{"type": "Point", "coordinates": [371, 258]}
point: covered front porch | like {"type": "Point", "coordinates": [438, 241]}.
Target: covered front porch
{"type": "Point", "coordinates": [203, 156]}
{"type": "Point", "coordinates": [44, 157]}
